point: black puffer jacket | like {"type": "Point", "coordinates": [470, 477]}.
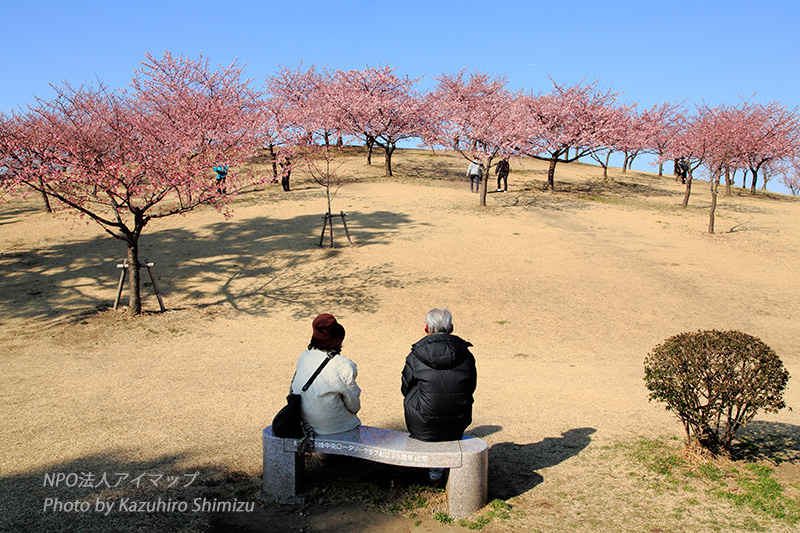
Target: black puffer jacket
{"type": "Point", "coordinates": [438, 381]}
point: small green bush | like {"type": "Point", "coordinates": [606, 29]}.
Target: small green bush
{"type": "Point", "coordinates": [715, 382]}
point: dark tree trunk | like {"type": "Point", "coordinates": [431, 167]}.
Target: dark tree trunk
{"type": "Point", "coordinates": [755, 180]}
{"type": "Point", "coordinates": [688, 187]}
{"type": "Point", "coordinates": [274, 161]}
{"type": "Point", "coordinates": [714, 185]}
{"type": "Point", "coordinates": [744, 179]}
{"type": "Point", "coordinates": [47, 206]}
{"type": "Point", "coordinates": [370, 145]}
{"type": "Point", "coordinates": [661, 169]}
{"type": "Point", "coordinates": [551, 173]}
{"type": "Point", "coordinates": [134, 298]}
{"type": "Point", "coordinates": [625, 163]}
{"type": "Point", "coordinates": [390, 147]}
{"type": "Point", "coordinates": [675, 170]}
{"type": "Point", "coordinates": [728, 180]}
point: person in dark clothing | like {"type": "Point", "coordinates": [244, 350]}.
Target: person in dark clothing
{"type": "Point", "coordinates": [438, 382]}
{"type": "Point", "coordinates": [286, 173]}
{"type": "Point", "coordinates": [502, 171]}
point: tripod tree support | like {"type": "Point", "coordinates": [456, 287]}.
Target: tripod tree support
{"type": "Point", "coordinates": [124, 272]}
{"type": "Point", "coordinates": [328, 222]}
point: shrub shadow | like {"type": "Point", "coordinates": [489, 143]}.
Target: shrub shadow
{"type": "Point", "coordinates": [774, 442]}
{"type": "Point", "coordinates": [513, 467]}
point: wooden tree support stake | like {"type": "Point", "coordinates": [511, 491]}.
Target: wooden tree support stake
{"type": "Point", "coordinates": [124, 266]}
{"type": "Point", "coordinates": [328, 220]}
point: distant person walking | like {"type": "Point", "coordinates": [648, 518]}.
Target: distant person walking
{"type": "Point", "coordinates": [222, 174]}
{"type": "Point", "coordinates": [286, 172]}
{"type": "Point", "coordinates": [681, 170]}
{"type": "Point", "coordinates": [474, 173]}
{"type": "Point", "coordinates": [502, 171]}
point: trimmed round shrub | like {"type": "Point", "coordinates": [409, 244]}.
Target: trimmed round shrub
{"type": "Point", "coordinates": [715, 382]}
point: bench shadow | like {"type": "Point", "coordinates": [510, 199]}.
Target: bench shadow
{"type": "Point", "coordinates": [513, 467]}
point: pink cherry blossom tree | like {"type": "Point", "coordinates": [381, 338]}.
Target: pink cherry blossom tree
{"type": "Point", "coordinates": [476, 115]}
{"type": "Point", "coordinates": [714, 129]}
{"type": "Point", "coordinates": [579, 118]}
{"type": "Point", "coordinates": [273, 130]}
{"type": "Point", "coordinates": [377, 106]}
{"type": "Point", "coordinates": [687, 146]}
{"type": "Point", "coordinates": [769, 132]}
{"type": "Point", "coordinates": [313, 120]}
{"type": "Point", "coordinates": [623, 135]}
{"type": "Point", "coordinates": [125, 158]}
{"type": "Point", "coordinates": [790, 175]}
{"type": "Point", "coordinates": [658, 124]}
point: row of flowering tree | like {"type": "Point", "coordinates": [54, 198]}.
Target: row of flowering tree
{"type": "Point", "coordinates": [723, 139]}
{"type": "Point", "coordinates": [477, 115]}
{"type": "Point", "coordinates": [123, 158]}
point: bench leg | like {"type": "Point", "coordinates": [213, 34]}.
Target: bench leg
{"type": "Point", "coordinates": [467, 487]}
{"type": "Point", "coordinates": [282, 472]}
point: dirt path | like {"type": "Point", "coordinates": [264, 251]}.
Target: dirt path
{"type": "Point", "coordinates": [562, 294]}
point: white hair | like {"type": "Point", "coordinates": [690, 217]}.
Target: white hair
{"type": "Point", "coordinates": [439, 321]}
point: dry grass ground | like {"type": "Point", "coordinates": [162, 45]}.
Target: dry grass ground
{"type": "Point", "coordinates": [562, 293]}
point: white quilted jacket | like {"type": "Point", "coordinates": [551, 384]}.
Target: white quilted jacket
{"type": "Point", "coordinates": [331, 403]}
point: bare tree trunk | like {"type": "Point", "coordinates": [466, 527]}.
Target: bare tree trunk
{"type": "Point", "coordinates": [728, 181]}
{"type": "Point", "coordinates": [661, 168]}
{"type": "Point", "coordinates": [274, 160]}
{"type": "Point", "coordinates": [485, 181]}
{"type": "Point", "coordinates": [46, 199]}
{"type": "Point", "coordinates": [714, 185]}
{"type": "Point", "coordinates": [390, 148]}
{"type": "Point", "coordinates": [551, 173]}
{"type": "Point", "coordinates": [744, 179]}
{"type": "Point", "coordinates": [625, 164]}
{"type": "Point", "coordinates": [134, 297]}
{"type": "Point", "coordinates": [688, 187]}
{"type": "Point", "coordinates": [755, 179]}
{"type": "Point", "coordinates": [370, 145]}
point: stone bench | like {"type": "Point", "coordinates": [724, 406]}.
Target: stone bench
{"type": "Point", "coordinates": [467, 459]}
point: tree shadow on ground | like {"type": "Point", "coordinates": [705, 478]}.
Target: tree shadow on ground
{"type": "Point", "coordinates": [9, 213]}
{"type": "Point", "coordinates": [774, 442]}
{"type": "Point", "coordinates": [39, 500]}
{"type": "Point", "coordinates": [252, 264]}
{"type": "Point", "coordinates": [433, 168]}
{"type": "Point", "coordinates": [619, 187]}
{"type": "Point", "coordinates": [513, 467]}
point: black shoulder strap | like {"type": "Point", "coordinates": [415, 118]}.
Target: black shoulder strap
{"type": "Point", "coordinates": [328, 357]}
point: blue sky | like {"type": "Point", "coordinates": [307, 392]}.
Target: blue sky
{"type": "Point", "coordinates": [652, 51]}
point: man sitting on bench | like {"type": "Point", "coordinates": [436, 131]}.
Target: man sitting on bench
{"type": "Point", "coordinates": [438, 382]}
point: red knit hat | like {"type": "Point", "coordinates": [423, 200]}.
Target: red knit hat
{"type": "Point", "coordinates": [328, 333]}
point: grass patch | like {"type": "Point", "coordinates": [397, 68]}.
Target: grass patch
{"type": "Point", "coordinates": [758, 490]}
{"type": "Point", "coordinates": [748, 486]}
